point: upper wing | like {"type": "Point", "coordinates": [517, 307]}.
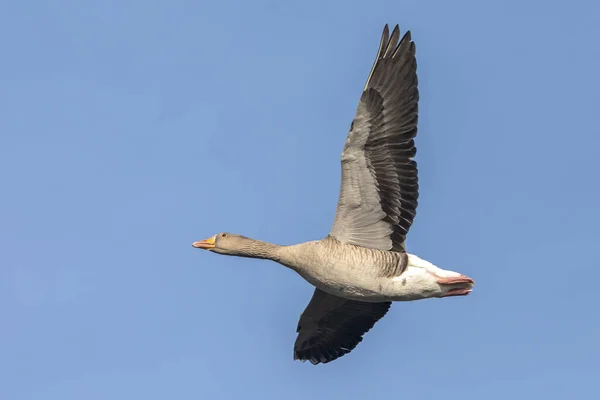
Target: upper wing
{"type": "Point", "coordinates": [379, 190]}
{"type": "Point", "coordinates": [331, 326]}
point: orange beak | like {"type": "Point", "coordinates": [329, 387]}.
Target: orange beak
{"type": "Point", "coordinates": [205, 244]}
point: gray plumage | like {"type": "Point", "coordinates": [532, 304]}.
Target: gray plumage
{"type": "Point", "coordinates": [362, 265]}
{"type": "Point", "coordinates": [379, 190]}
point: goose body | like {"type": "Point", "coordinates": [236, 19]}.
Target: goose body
{"type": "Point", "coordinates": [362, 266]}
{"type": "Point", "coordinates": [364, 274]}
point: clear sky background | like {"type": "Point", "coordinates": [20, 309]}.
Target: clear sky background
{"type": "Point", "coordinates": [130, 129]}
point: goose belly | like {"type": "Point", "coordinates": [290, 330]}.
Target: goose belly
{"type": "Point", "coordinates": [352, 282]}
{"type": "Point", "coordinates": [351, 291]}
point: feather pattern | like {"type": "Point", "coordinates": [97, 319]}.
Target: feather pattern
{"type": "Point", "coordinates": [379, 188]}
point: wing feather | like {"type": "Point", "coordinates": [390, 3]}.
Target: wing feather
{"type": "Point", "coordinates": [380, 189]}
{"type": "Point", "coordinates": [331, 326]}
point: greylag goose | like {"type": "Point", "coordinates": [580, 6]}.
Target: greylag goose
{"type": "Point", "coordinates": [362, 265]}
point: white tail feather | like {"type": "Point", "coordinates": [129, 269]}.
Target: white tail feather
{"type": "Point", "coordinates": [414, 261]}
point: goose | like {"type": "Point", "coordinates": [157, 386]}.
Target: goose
{"type": "Point", "coordinates": [362, 265]}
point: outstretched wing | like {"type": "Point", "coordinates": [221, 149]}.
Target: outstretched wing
{"type": "Point", "coordinates": [331, 326]}
{"type": "Point", "coordinates": [379, 189]}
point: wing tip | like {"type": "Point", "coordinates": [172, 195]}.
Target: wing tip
{"type": "Point", "coordinates": [390, 46]}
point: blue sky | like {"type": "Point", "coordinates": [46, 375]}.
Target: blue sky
{"type": "Point", "coordinates": [130, 129]}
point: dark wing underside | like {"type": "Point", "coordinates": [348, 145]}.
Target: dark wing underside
{"type": "Point", "coordinates": [331, 326]}
{"type": "Point", "coordinates": [379, 189]}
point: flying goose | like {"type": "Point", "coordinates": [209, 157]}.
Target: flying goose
{"type": "Point", "coordinates": [362, 265]}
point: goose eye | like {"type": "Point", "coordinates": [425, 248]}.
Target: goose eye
{"type": "Point", "coordinates": [223, 234]}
